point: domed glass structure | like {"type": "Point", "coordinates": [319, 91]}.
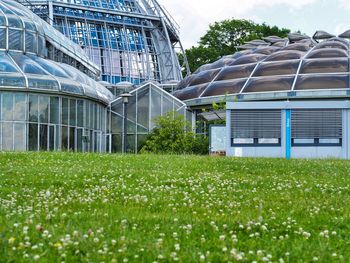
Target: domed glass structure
{"type": "Point", "coordinates": [46, 104]}
{"type": "Point", "coordinates": [273, 68]}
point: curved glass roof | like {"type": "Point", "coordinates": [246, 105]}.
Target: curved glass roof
{"type": "Point", "coordinates": [274, 65]}
{"type": "Point", "coordinates": [22, 30]}
{"type": "Point", "coordinates": [28, 71]}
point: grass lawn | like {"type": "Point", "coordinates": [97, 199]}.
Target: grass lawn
{"type": "Point", "coordinates": [57, 207]}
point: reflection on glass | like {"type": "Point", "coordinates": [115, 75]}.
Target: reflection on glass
{"type": "Point", "coordinates": [64, 138]}
{"type": "Point", "coordinates": [19, 137]}
{"type": "Point", "coordinates": [65, 111]}
{"type": "Point", "coordinates": [54, 110]}
{"type": "Point", "coordinates": [52, 136]}
{"type": "Point", "coordinates": [7, 106]}
{"type": "Point", "coordinates": [7, 136]}
{"type": "Point", "coordinates": [44, 102]}
{"type": "Point", "coordinates": [80, 115]}
{"type": "Point", "coordinates": [19, 110]}
{"type": "Point", "coordinates": [33, 108]}
{"type": "Point", "coordinates": [43, 137]}
{"type": "Point", "coordinates": [72, 112]}
{"type": "Point", "coordinates": [33, 137]}
{"type": "Point", "coordinates": [71, 138]}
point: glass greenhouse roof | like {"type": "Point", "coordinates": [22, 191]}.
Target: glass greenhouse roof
{"type": "Point", "coordinates": [20, 71]}
{"type": "Point", "coordinates": [275, 65]}
{"type": "Point", "coordinates": [22, 30]}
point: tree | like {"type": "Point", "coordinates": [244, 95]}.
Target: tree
{"type": "Point", "coordinates": [223, 37]}
{"type": "Point", "coordinates": [173, 135]}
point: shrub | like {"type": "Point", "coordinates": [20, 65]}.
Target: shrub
{"type": "Point", "coordinates": [173, 135]}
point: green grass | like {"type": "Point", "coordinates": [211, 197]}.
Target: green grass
{"type": "Point", "coordinates": [58, 207]}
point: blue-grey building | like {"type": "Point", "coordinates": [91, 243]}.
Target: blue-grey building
{"type": "Point", "coordinates": [285, 97]}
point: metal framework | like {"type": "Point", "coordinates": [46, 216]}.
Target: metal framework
{"type": "Point", "coordinates": [130, 40]}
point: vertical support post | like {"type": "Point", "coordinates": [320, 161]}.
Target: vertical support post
{"type": "Point", "coordinates": [288, 134]}
{"type": "Point", "coordinates": [125, 128]}
{"type": "Point", "coordinates": [228, 132]}
{"type": "Point", "coordinates": [50, 12]}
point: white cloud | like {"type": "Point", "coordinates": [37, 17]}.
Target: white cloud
{"type": "Point", "coordinates": [345, 4]}
{"type": "Point", "coordinates": [194, 16]}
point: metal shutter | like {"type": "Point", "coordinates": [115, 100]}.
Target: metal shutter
{"type": "Point", "coordinates": [317, 123]}
{"type": "Point", "coordinates": [256, 124]}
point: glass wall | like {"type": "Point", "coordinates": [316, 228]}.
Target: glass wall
{"type": "Point", "coordinates": [120, 46]}
{"type": "Point", "coordinates": [145, 104]}
{"type": "Point", "coordinates": [36, 122]}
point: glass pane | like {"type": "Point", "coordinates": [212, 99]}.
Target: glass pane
{"type": "Point", "coordinates": [6, 64]}
{"type": "Point", "coordinates": [328, 53]}
{"type": "Point", "coordinates": [247, 59]}
{"type": "Point", "coordinates": [65, 111]}
{"type": "Point", "coordinates": [33, 108]}
{"type": "Point", "coordinates": [131, 143]}
{"type": "Point", "coordinates": [141, 139]}
{"type": "Point", "coordinates": [286, 55]}
{"type": "Point", "coordinates": [72, 139]}
{"type": "Point", "coordinates": [19, 137]}
{"type": "Point", "coordinates": [80, 116]}
{"type": "Point", "coordinates": [325, 66]}
{"type": "Point", "coordinates": [277, 68]}
{"type": "Point", "coordinates": [269, 84]}
{"type": "Point", "coordinates": [7, 106]}
{"type": "Point", "coordinates": [19, 113]}
{"type": "Point", "coordinates": [190, 92]}
{"type": "Point", "coordinates": [117, 123]}
{"type": "Point", "coordinates": [167, 105]}
{"type": "Point", "coordinates": [33, 137]}
{"type": "Point", "coordinates": [44, 109]}
{"type": "Point", "coordinates": [42, 83]}
{"type": "Point", "coordinates": [54, 110]}
{"type": "Point", "coordinates": [116, 143]}
{"type": "Point", "coordinates": [204, 77]}
{"type": "Point", "coordinates": [30, 42]}
{"type": "Point", "coordinates": [79, 140]}
{"type": "Point", "coordinates": [235, 72]}
{"type": "Point", "coordinates": [15, 39]}
{"type": "Point", "coordinates": [64, 137]}
{"type": "Point", "coordinates": [155, 106]}
{"type": "Point", "coordinates": [27, 65]}
{"type": "Point", "coordinates": [72, 112]}
{"type": "Point", "coordinates": [43, 137]}
{"type": "Point", "coordinates": [3, 38]}
{"type": "Point", "coordinates": [224, 87]}
{"type": "Point", "coordinates": [52, 138]}
{"type": "Point", "coordinates": [306, 82]}
{"type": "Point", "coordinates": [143, 108]}
{"type": "Point", "coordinates": [132, 108]}
{"type": "Point", "coordinates": [7, 136]}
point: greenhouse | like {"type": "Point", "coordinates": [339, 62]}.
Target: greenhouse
{"type": "Point", "coordinates": [46, 104]}
{"type": "Point", "coordinates": [285, 97]}
{"type": "Point", "coordinates": [146, 104]}
{"type": "Point", "coordinates": [52, 97]}
{"type": "Point", "coordinates": [134, 40]}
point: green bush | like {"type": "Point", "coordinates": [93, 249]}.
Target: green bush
{"type": "Point", "coordinates": [173, 135]}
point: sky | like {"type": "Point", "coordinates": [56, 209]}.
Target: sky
{"type": "Point", "coordinates": [194, 16]}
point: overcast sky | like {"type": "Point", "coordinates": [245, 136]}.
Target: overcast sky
{"type": "Point", "coordinates": [194, 16]}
